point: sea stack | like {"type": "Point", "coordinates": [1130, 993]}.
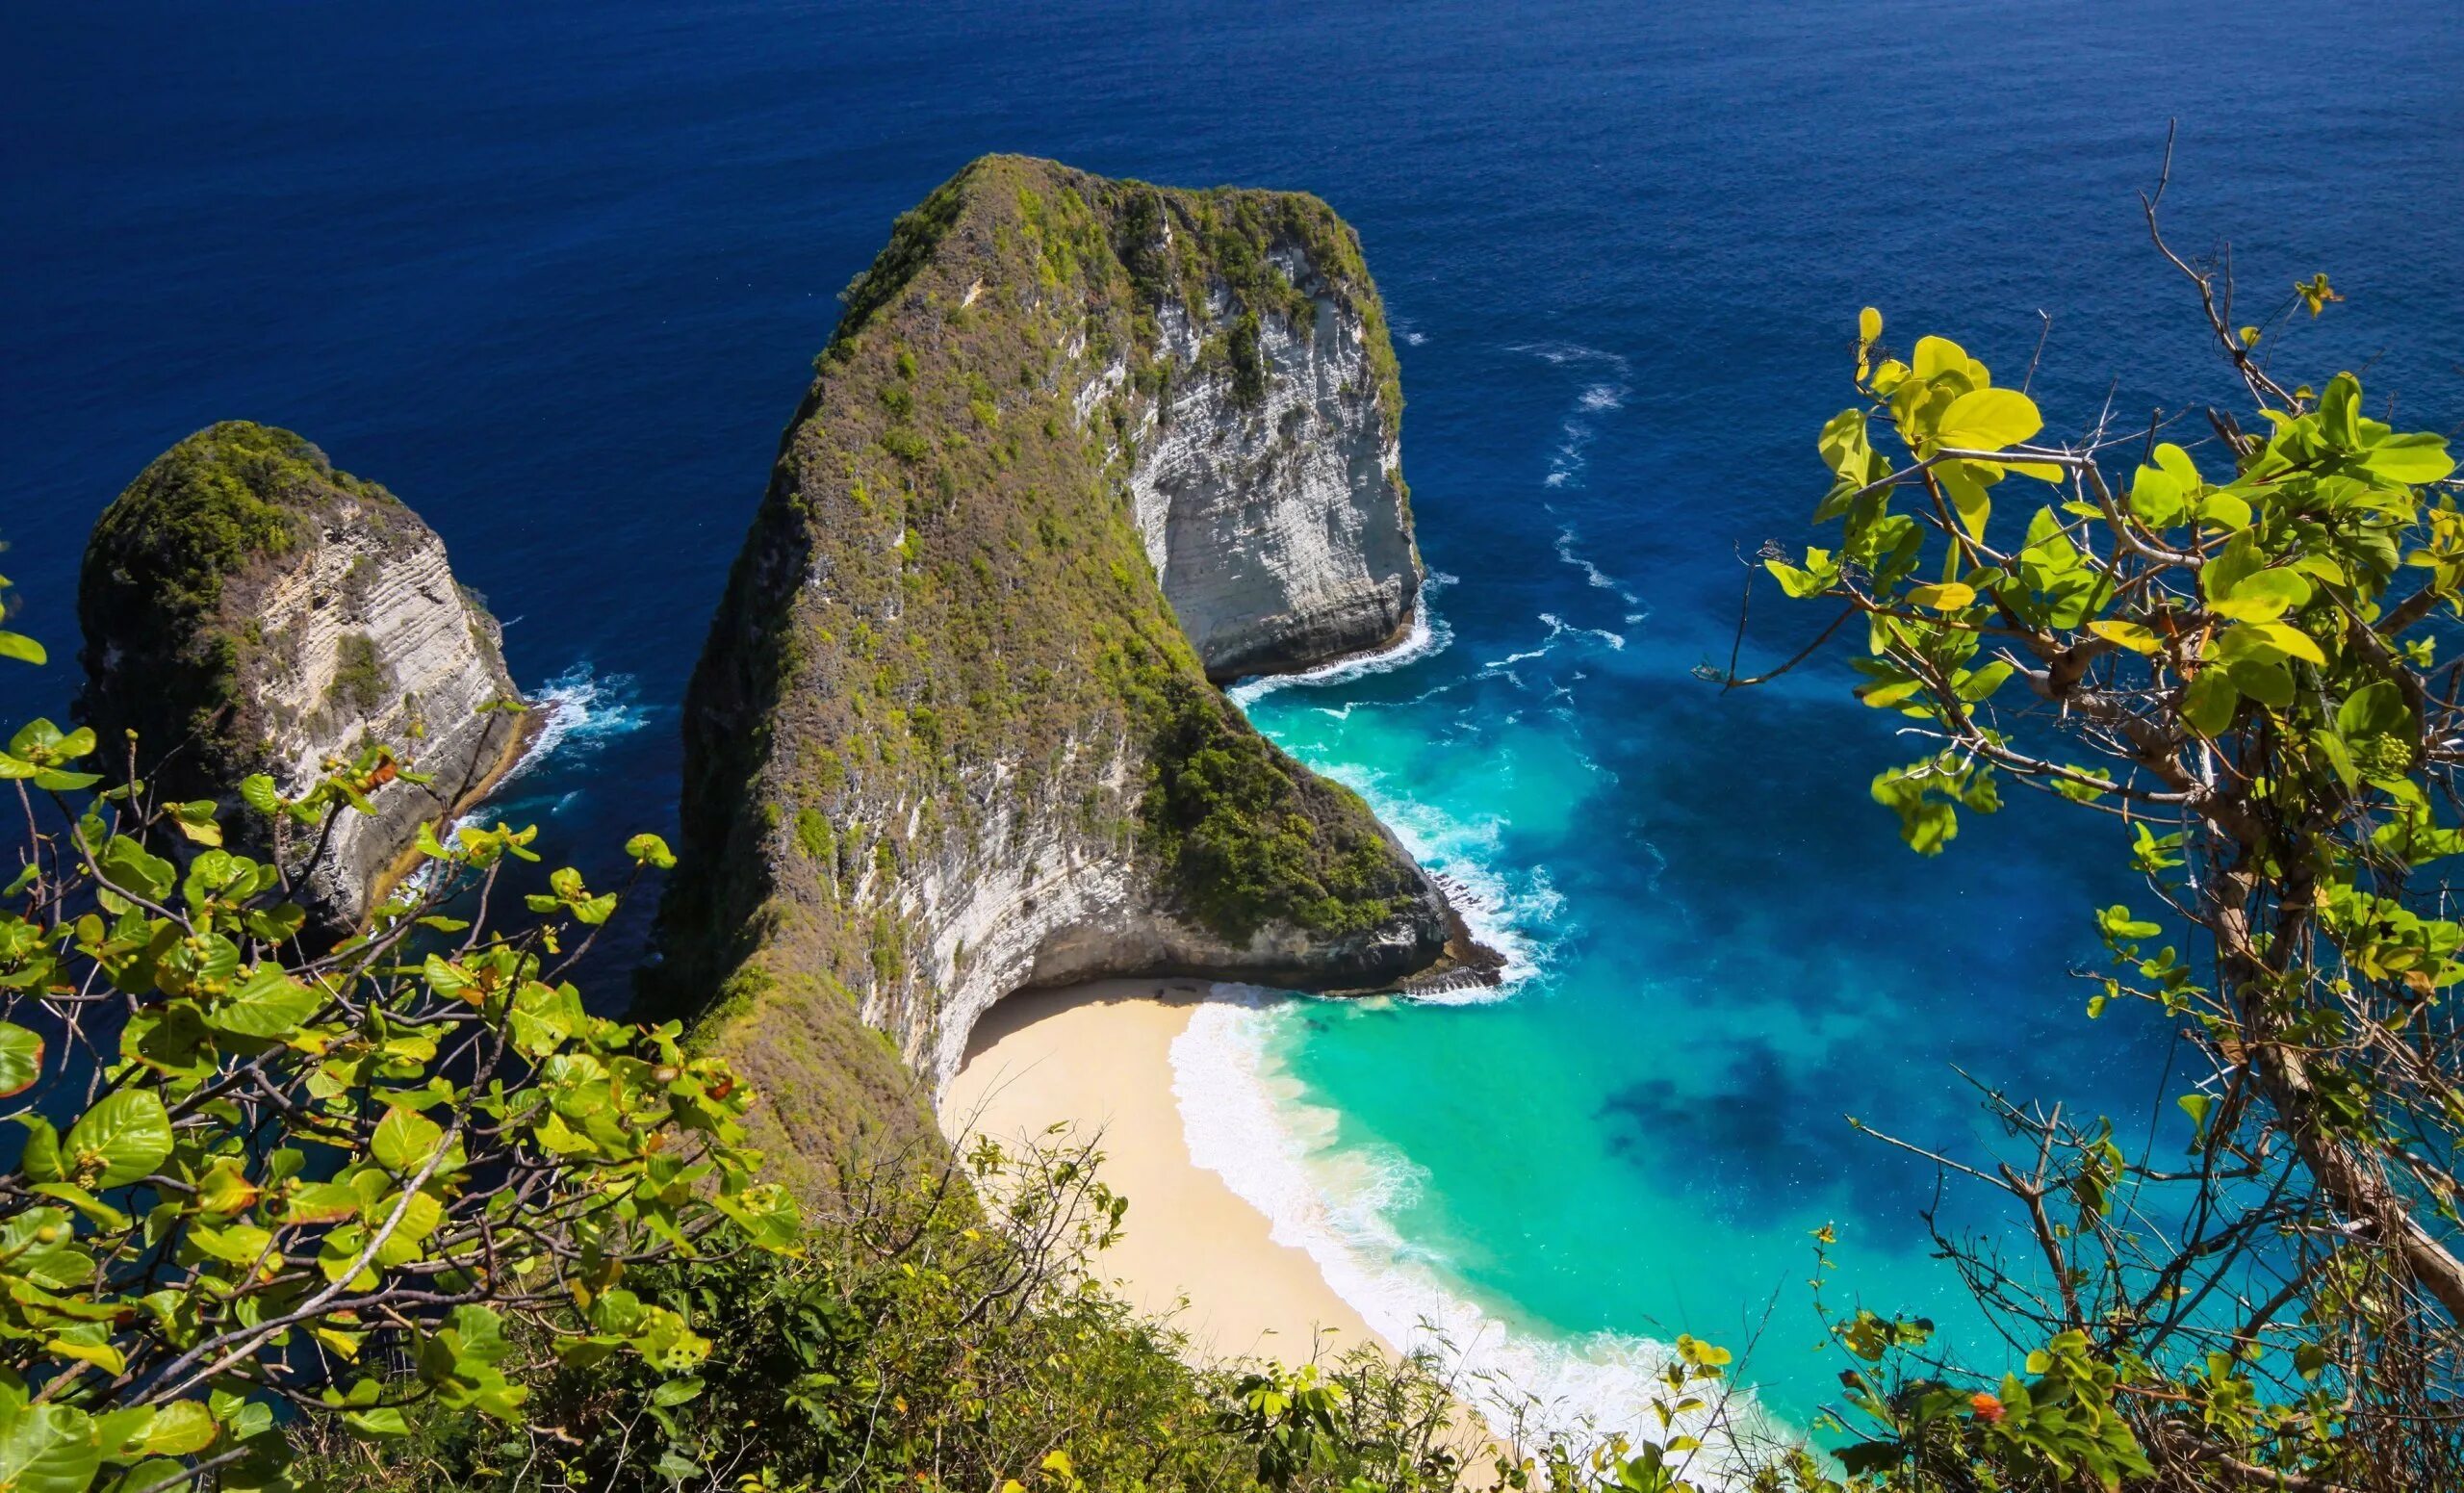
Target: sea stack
{"type": "Point", "coordinates": [1078, 449]}
{"type": "Point", "coordinates": [248, 608]}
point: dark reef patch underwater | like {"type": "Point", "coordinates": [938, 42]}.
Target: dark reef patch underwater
{"type": "Point", "coordinates": [551, 270]}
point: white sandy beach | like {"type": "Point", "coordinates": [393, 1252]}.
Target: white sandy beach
{"type": "Point", "coordinates": [1098, 1057]}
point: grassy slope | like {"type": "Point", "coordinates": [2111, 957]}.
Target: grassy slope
{"type": "Point", "coordinates": [944, 576]}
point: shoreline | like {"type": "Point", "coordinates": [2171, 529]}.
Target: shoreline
{"type": "Point", "coordinates": [1097, 1057]}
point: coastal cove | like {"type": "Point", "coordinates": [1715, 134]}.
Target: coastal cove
{"type": "Point", "coordinates": [567, 282]}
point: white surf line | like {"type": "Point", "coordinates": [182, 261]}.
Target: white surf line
{"type": "Point", "coordinates": [1427, 636]}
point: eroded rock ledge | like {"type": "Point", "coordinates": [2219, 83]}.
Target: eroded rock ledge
{"type": "Point", "coordinates": [1078, 446]}
{"type": "Point", "coordinates": [248, 608]}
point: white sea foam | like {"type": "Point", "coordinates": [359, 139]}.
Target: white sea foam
{"type": "Point", "coordinates": [1248, 1120]}
{"type": "Point", "coordinates": [1521, 917]}
{"type": "Point", "coordinates": [1595, 577]}
{"type": "Point", "coordinates": [1427, 636]}
{"type": "Point", "coordinates": [1558, 629]}
{"type": "Point", "coordinates": [1598, 398]}
{"type": "Point", "coordinates": [580, 709]}
{"type": "Point", "coordinates": [577, 710]}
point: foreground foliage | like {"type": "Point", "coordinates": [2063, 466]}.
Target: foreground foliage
{"type": "Point", "coordinates": [2222, 631]}
{"type": "Point", "coordinates": [950, 1330]}
{"type": "Point", "coordinates": [256, 1183]}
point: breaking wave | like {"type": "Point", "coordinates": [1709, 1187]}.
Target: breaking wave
{"type": "Point", "coordinates": [1427, 639]}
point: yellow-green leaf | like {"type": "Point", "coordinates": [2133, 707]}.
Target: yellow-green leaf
{"type": "Point", "coordinates": [180, 1428]}
{"type": "Point", "coordinates": [20, 1058]}
{"type": "Point", "coordinates": [1949, 596]}
{"type": "Point", "coordinates": [2292, 639]}
{"type": "Point", "coordinates": [2134, 637]}
{"type": "Point", "coordinates": [1988, 420]}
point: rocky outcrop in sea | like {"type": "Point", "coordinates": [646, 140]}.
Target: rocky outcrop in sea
{"type": "Point", "coordinates": [248, 608]}
{"type": "Point", "coordinates": [1079, 448]}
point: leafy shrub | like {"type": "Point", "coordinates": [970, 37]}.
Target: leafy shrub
{"type": "Point", "coordinates": [258, 1184]}
{"type": "Point", "coordinates": [2227, 642]}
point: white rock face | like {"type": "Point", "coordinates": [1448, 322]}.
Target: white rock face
{"type": "Point", "coordinates": [1280, 532]}
{"type": "Point", "coordinates": [369, 638]}
{"type": "Point", "coordinates": [1028, 904]}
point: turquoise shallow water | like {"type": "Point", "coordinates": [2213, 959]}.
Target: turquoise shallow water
{"type": "Point", "coordinates": [1718, 957]}
{"type": "Point", "coordinates": [556, 273]}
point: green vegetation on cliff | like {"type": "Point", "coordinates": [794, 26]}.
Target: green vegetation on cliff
{"type": "Point", "coordinates": [1248, 837]}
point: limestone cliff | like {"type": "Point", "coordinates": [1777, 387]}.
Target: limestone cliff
{"type": "Point", "coordinates": [1076, 446]}
{"type": "Point", "coordinates": [1273, 511]}
{"type": "Point", "coordinates": [248, 608]}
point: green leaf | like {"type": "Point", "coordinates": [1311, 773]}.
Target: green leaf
{"type": "Point", "coordinates": [20, 1058]}
{"type": "Point", "coordinates": [651, 850]}
{"type": "Point", "coordinates": [1969, 499]}
{"type": "Point", "coordinates": [2224, 510]}
{"type": "Point", "coordinates": [2375, 709]}
{"type": "Point", "coordinates": [384, 1422]}
{"type": "Point", "coordinates": [195, 820]}
{"type": "Point", "coordinates": [121, 1433]}
{"type": "Point", "coordinates": [2412, 459]}
{"type": "Point", "coordinates": [1949, 596]}
{"type": "Point", "coordinates": [1934, 356]}
{"type": "Point", "coordinates": [676, 1392]}
{"type": "Point", "coordinates": [41, 1160]}
{"type": "Point", "coordinates": [127, 1134]}
{"type": "Point", "coordinates": [2134, 637]}
{"type": "Point", "coordinates": [2293, 640]}
{"type": "Point", "coordinates": [2156, 498]}
{"type": "Point", "coordinates": [1979, 685]}
{"type": "Point", "coordinates": [181, 1428]}
{"type": "Point", "coordinates": [321, 1202]}
{"type": "Point", "coordinates": [405, 1139]}
{"type": "Point", "coordinates": [2269, 684]}
{"type": "Point", "coordinates": [2340, 412]}
{"type": "Point", "coordinates": [2285, 589]}
{"type": "Point", "coordinates": [2197, 1106]}
{"type": "Point", "coordinates": [40, 742]}
{"type": "Point", "coordinates": [46, 1447]}
{"type": "Point", "coordinates": [2208, 702]}
{"type": "Point", "coordinates": [130, 866]}
{"type": "Point", "coordinates": [267, 1002]}
{"type": "Point", "coordinates": [257, 791]}
{"type": "Point", "coordinates": [1988, 420]}
{"type": "Point", "coordinates": [23, 649]}
{"type": "Point", "coordinates": [158, 1475]}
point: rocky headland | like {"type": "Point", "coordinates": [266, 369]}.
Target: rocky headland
{"type": "Point", "coordinates": [1078, 449]}
{"type": "Point", "coordinates": [248, 608]}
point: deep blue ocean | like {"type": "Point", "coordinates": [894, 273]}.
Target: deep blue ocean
{"type": "Point", "coordinates": [556, 275]}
